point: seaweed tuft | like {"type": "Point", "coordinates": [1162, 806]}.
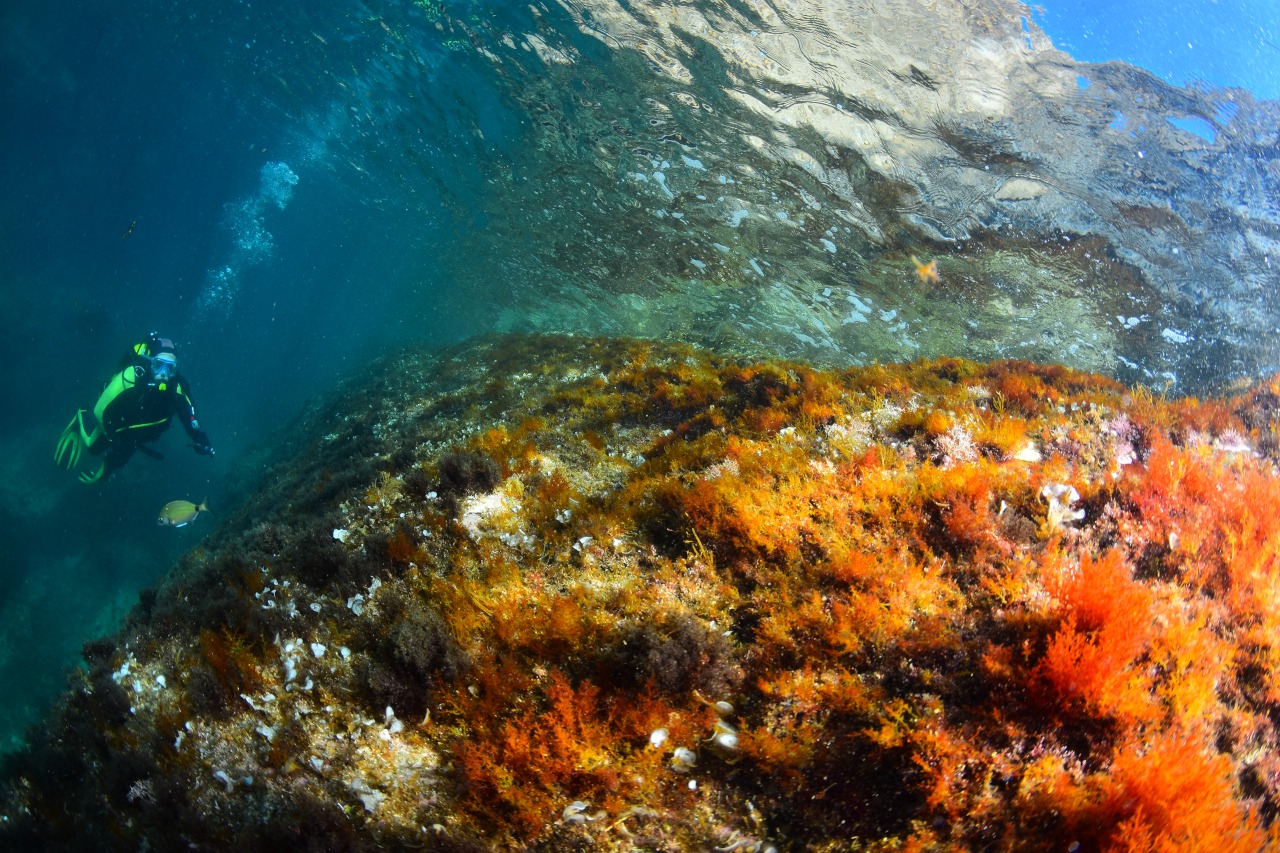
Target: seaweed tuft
{"type": "Point", "coordinates": [464, 473]}
{"type": "Point", "coordinates": [677, 654]}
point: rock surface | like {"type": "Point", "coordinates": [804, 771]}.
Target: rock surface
{"type": "Point", "coordinates": [744, 175]}
{"type": "Point", "coordinates": [552, 592]}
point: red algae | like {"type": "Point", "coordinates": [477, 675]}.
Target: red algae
{"type": "Point", "coordinates": [705, 603]}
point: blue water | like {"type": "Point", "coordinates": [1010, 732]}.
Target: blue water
{"type": "Point", "coordinates": [1220, 42]}
{"type": "Point", "coordinates": [286, 191]}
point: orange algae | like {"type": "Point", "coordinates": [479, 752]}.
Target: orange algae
{"type": "Point", "coordinates": [871, 593]}
{"type": "Point", "coordinates": [838, 591]}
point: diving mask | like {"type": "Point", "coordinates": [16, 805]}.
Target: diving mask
{"type": "Point", "coordinates": [164, 366]}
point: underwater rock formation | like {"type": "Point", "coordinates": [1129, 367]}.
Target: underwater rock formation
{"type": "Point", "coordinates": [559, 593]}
{"type": "Point", "coordinates": [758, 175]}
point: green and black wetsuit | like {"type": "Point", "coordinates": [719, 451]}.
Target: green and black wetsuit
{"type": "Point", "coordinates": [135, 410]}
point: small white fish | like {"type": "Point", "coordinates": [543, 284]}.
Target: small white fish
{"type": "Point", "coordinates": [180, 513]}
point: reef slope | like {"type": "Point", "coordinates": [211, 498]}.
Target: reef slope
{"type": "Point", "coordinates": [599, 594]}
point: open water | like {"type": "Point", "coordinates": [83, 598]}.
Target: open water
{"type": "Point", "coordinates": [288, 189]}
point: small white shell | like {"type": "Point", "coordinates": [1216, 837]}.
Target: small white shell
{"type": "Point", "coordinates": [684, 760]}
{"type": "Point", "coordinates": [658, 737]}
{"type": "Point", "coordinates": [725, 740]}
{"type": "Point", "coordinates": [1029, 453]}
{"type": "Point", "coordinates": [573, 811]}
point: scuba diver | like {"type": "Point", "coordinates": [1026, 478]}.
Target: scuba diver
{"type": "Point", "coordinates": [132, 412]}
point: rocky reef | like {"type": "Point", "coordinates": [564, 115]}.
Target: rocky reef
{"type": "Point", "coordinates": [757, 175]}
{"type": "Point", "coordinates": [569, 594]}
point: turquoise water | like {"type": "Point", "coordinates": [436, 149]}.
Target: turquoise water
{"type": "Point", "coordinates": [288, 191]}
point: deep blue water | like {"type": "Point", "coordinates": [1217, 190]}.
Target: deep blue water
{"type": "Point", "coordinates": [287, 192]}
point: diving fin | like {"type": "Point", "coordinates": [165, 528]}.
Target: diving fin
{"type": "Point", "coordinates": [72, 444]}
{"type": "Point", "coordinates": [88, 477]}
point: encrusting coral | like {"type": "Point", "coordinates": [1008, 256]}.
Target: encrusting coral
{"type": "Point", "coordinates": [618, 595]}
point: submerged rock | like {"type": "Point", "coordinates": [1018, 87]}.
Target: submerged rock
{"type": "Point", "coordinates": [760, 175]}
{"type": "Point", "coordinates": [839, 597]}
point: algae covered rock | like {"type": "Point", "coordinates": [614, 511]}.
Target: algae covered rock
{"type": "Point", "coordinates": [609, 594]}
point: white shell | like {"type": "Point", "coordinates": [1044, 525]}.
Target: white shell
{"type": "Point", "coordinates": [684, 759]}
{"type": "Point", "coordinates": [726, 740]}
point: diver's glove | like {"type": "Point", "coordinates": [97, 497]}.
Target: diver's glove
{"type": "Point", "coordinates": [202, 445]}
